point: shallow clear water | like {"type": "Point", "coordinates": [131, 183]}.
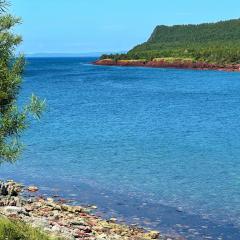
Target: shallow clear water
{"type": "Point", "coordinates": [163, 136]}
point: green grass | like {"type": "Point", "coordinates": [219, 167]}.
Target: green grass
{"type": "Point", "coordinates": [133, 60]}
{"type": "Point", "coordinates": [173, 59]}
{"type": "Point", "coordinates": [15, 230]}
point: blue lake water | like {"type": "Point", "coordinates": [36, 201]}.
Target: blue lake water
{"type": "Point", "coordinates": [155, 146]}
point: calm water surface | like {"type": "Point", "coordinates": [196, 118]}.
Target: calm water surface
{"type": "Point", "coordinates": [155, 146]}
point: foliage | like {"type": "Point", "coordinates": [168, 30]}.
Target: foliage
{"type": "Point", "coordinates": [13, 121]}
{"type": "Point", "coordinates": [210, 42]}
{"type": "Point", "coordinates": [15, 230]}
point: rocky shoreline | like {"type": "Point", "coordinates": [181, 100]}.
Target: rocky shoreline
{"type": "Point", "coordinates": [166, 64]}
{"type": "Point", "coordinates": [55, 217]}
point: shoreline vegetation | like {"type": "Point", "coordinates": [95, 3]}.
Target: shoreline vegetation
{"type": "Point", "coordinates": [28, 215]}
{"type": "Point", "coordinates": [213, 46]}
{"type": "Point", "coordinates": [169, 63]}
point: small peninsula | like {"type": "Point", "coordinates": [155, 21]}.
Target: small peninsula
{"type": "Point", "coordinates": [213, 46]}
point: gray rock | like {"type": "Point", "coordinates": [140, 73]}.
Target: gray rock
{"type": "Point", "coordinates": [9, 210]}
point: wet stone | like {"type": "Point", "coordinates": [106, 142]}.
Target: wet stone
{"type": "Point", "coordinates": [66, 221]}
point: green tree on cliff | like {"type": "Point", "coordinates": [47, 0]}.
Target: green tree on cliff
{"type": "Point", "coordinates": [13, 121]}
{"type": "Point", "coordinates": [217, 43]}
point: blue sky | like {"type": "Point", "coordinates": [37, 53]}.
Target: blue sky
{"type": "Point", "coordinates": [80, 26]}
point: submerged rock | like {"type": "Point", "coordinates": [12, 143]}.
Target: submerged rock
{"type": "Point", "coordinates": [32, 189]}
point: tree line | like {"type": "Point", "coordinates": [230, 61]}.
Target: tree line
{"type": "Point", "coordinates": [214, 43]}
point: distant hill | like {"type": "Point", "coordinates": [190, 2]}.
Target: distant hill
{"type": "Point", "coordinates": [224, 30]}
{"type": "Point", "coordinates": [209, 42]}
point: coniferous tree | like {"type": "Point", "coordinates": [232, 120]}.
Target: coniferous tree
{"type": "Point", "coordinates": [13, 121]}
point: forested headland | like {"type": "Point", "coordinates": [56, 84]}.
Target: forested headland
{"type": "Point", "coordinates": [213, 43]}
